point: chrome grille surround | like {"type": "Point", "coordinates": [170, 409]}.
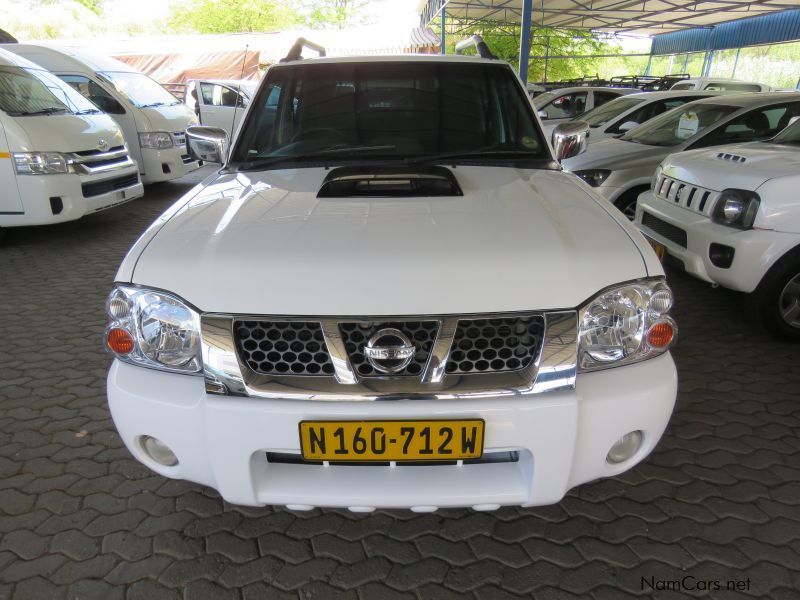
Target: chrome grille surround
{"type": "Point", "coordinates": [90, 162]}
{"type": "Point", "coordinates": [686, 195]}
{"type": "Point", "coordinates": [553, 367]}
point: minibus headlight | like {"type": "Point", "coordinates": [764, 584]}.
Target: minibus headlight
{"type": "Point", "coordinates": [39, 163]}
{"type": "Point", "coordinates": [156, 139]}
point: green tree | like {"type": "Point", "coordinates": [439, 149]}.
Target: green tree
{"type": "Point", "coordinates": [96, 6]}
{"type": "Point", "coordinates": [230, 16]}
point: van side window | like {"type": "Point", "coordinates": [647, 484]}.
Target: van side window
{"type": "Point", "coordinates": [95, 93]}
{"type": "Point", "coordinates": [733, 87]}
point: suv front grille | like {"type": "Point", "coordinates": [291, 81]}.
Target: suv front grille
{"type": "Point", "coordinates": [495, 345]}
{"type": "Point", "coordinates": [668, 230]}
{"type": "Point", "coordinates": [356, 334]}
{"type": "Point", "coordinates": [282, 347]}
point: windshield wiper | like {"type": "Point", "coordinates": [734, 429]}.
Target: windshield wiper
{"type": "Point", "coordinates": [89, 111]}
{"type": "Point", "coordinates": [152, 104]}
{"type": "Point", "coordinates": [473, 155]}
{"type": "Point", "coordinates": [50, 110]}
{"type": "Point", "coordinates": [320, 155]}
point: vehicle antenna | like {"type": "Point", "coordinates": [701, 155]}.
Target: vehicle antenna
{"type": "Point", "coordinates": [238, 99]}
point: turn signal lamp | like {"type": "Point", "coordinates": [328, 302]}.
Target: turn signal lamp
{"type": "Point", "coordinates": [119, 341]}
{"type": "Point", "coordinates": [661, 334]}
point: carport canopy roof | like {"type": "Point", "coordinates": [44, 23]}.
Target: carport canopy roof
{"type": "Point", "coordinates": [647, 17]}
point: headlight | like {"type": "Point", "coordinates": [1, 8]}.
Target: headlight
{"type": "Point", "coordinates": [594, 177]}
{"type": "Point", "coordinates": [626, 324]}
{"type": "Point", "coordinates": [156, 139]}
{"type": "Point", "coordinates": [39, 163]}
{"type": "Point", "coordinates": [153, 329]}
{"type": "Point", "coordinates": [736, 208]}
{"type": "Point", "coordinates": [656, 175]}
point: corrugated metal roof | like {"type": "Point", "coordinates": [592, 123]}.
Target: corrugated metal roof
{"type": "Point", "coordinates": [772, 28]}
{"type": "Point", "coordinates": [639, 16]}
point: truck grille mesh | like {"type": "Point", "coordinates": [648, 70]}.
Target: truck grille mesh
{"type": "Point", "coordinates": [283, 347]}
{"type": "Point", "coordinates": [356, 334]}
{"type": "Point", "coordinates": [495, 345]}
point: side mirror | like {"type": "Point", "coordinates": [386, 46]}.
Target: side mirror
{"type": "Point", "coordinates": [542, 114]}
{"type": "Point", "coordinates": [570, 139]}
{"type": "Point", "coordinates": [627, 126]}
{"type": "Point", "coordinates": [206, 143]}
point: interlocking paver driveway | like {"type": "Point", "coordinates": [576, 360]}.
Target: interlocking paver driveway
{"type": "Point", "coordinates": [719, 500]}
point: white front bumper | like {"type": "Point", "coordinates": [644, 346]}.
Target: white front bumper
{"type": "Point", "coordinates": [755, 251]}
{"type": "Point", "coordinates": [165, 165]}
{"type": "Point", "coordinates": [37, 190]}
{"type": "Point", "coordinates": [562, 438]}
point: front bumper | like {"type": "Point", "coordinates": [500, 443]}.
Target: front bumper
{"type": "Point", "coordinates": [562, 438]}
{"type": "Point", "coordinates": [165, 165]}
{"type": "Point", "coordinates": [48, 199]}
{"type": "Point", "coordinates": [755, 251]}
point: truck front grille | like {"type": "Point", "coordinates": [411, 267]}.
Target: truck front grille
{"type": "Point", "coordinates": [495, 345]}
{"type": "Point", "coordinates": [685, 195]}
{"type": "Point", "coordinates": [298, 347]}
{"type": "Point", "coordinates": [283, 347]}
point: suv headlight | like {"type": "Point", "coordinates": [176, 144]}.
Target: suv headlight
{"type": "Point", "coordinates": [40, 163]}
{"type": "Point", "coordinates": [153, 329]}
{"type": "Point", "coordinates": [594, 177]}
{"type": "Point", "coordinates": [626, 324]}
{"type": "Point", "coordinates": [156, 139]}
{"type": "Point", "coordinates": [736, 208]}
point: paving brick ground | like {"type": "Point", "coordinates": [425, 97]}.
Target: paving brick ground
{"type": "Point", "coordinates": [719, 499]}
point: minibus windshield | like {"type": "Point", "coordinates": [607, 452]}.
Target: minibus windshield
{"type": "Point", "coordinates": [140, 89]}
{"type": "Point", "coordinates": [30, 92]}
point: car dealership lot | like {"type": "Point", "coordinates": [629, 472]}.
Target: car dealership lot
{"type": "Point", "coordinates": [717, 501]}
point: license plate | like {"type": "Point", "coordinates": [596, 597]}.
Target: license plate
{"type": "Point", "coordinates": [391, 440]}
{"type": "Point", "coordinates": [660, 249]}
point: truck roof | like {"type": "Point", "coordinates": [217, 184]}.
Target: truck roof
{"type": "Point", "coordinates": [748, 99]}
{"type": "Point", "coordinates": [62, 58]}
{"type": "Point", "coordinates": [446, 58]}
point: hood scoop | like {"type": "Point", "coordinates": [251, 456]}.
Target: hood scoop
{"type": "Point", "coordinates": [389, 182]}
{"type": "Point", "coordinates": [731, 157]}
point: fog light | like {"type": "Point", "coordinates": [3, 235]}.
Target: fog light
{"type": "Point", "coordinates": [158, 451]}
{"type": "Point", "coordinates": [625, 447]}
{"type": "Point", "coordinates": [721, 256]}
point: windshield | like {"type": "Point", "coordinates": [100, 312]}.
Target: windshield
{"type": "Point", "coordinates": [25, 92]}
{"type": "Point", "coordinates": [603, 114]}
{"type": "Point", "coordinates": [679, 124]}
{"type": "Point", "coordinates": [790, 135]}
{"type": "Point", "coordinates": [140, 89]}
{"type": "Point", "coordinates": [390, 111]}
{"type": "Point", "coordinates": [542, 99]}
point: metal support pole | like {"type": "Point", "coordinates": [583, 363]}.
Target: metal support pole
{"type": "Point", "coordinates": [649, 62]}
{"type": "Point", "coordinates": [708, 64]}
{"type": "Point", "coordinates": [525, 39]}
{"type": "Point", "coordinates": [546, 57]}
{"type": "Point", "coordinates": [444, 46]}
{"type": "Point", "coordinates": [685, 63]}
{"type": "Point", "coordinates": [736, 63]}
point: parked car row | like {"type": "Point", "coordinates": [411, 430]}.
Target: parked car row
{"type": "Point", "coordinates": [81, 133]}
{"type": "Point", "coordinates": [709, 183]}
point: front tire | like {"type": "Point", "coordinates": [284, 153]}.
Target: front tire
{"type": "Point", "coordinates": [776, 300]}
{"type": "Point", "coordinates": [626, 203]}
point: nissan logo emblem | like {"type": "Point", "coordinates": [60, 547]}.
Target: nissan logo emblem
{"type": "Point", "coordinates": [389, 351]}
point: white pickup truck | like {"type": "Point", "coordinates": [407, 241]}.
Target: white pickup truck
{"type": "Point", "coordinates": [731, 215]}
{"type": "Point", "coordinates": [390, 295]}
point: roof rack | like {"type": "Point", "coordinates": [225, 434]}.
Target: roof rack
{"type": "Point", "coordinates": [296, 51]}
{"type": "Point", "coordinates": [476, 41]}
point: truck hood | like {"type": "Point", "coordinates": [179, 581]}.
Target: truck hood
{"type": "Point", "coordinates": [614, 154]}
{"type": "Point", "coordinates": [263, 243]}
{"type": "Point", "coordinates": [167, 118]}
{"type": "Point", "coordinates": [742, 166]}
{"type": "Point", "coordinates": [65, 133]}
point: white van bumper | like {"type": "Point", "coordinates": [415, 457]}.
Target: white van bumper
{"type": "Point", "coordinates": [167, 164]}
{"type": "Point", "coordinates": [48, 199]}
